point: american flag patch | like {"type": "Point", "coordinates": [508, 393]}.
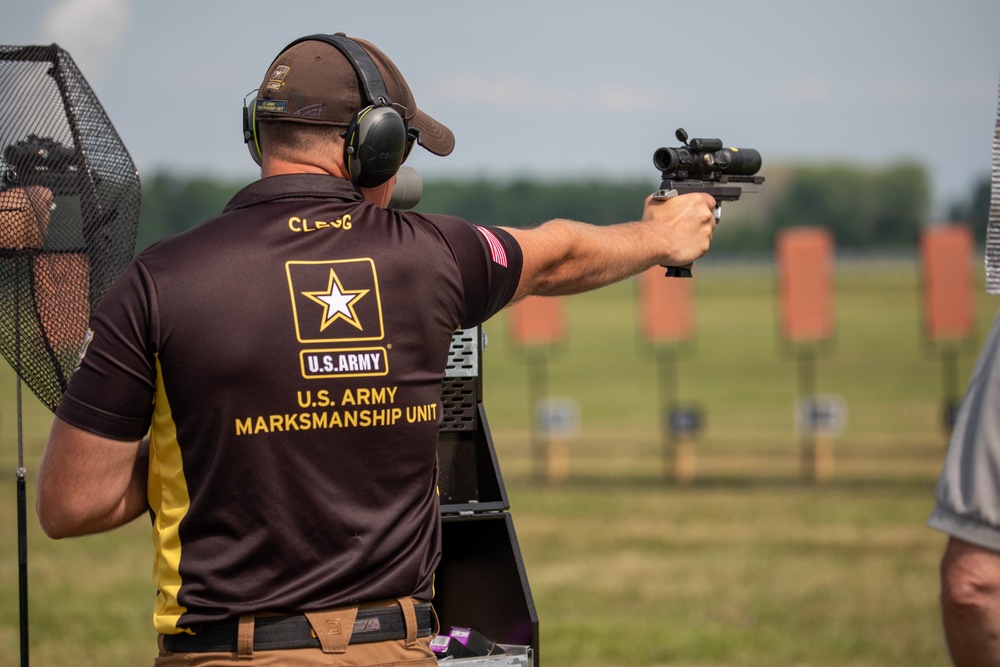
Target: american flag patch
{"type": "Point", "coordinates": [496, 248]}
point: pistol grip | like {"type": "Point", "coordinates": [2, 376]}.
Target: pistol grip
{"type": "Point", "coordinates": [674, 271]}
{"type": "Point", "coordinates": [678, 271]}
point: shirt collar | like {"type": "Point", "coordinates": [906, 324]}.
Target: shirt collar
{"type": "Point", "coordinates": [294, 186]}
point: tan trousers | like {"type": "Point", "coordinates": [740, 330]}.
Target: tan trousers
{"type": "Point", "coordinates": [333, 629]}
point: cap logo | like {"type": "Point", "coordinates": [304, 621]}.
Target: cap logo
{"type": "Point", "coordinates": [277, 79]}
{"type": "Point", "coordinates": [311, 111]}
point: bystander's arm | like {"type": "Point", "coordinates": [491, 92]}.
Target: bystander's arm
{"type": "Point", "coordinates": [970, 603]}
{"type": "Point", "coordinates": [88, 483]}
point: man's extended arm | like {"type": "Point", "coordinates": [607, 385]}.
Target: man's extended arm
{"type": "Point", "coordinates": [88, 483]}
{"type": "Point", "coordinates": [970, 603]}
{"type": "Point", "coordinates": [566, 257]}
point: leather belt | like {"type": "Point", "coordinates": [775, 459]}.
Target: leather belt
{"type": "Point", "coordinates": [271, 633]}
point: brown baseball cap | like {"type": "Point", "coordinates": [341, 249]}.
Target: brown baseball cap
{"type": "Point", "coordinates": [312, 81]}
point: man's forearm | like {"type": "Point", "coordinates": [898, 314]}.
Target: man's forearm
{"type": "Point", "coordinates": [568, 257]}
{"type": "Point", "coordinates": [565, 257]}
{"type": "Point", "coordinates": [89, 484]}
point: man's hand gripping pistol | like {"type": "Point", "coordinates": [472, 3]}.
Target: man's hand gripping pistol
{"type": "Point", "coordinates": [703, 165]}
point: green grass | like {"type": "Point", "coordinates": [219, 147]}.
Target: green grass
{"type": "Point", "coordinates": [732, 575]}
{"type": "Point", "coordinates": [748, 565]}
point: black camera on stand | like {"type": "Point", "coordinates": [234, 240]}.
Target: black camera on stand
{"type": "Point", "coordinates": [41, 161]}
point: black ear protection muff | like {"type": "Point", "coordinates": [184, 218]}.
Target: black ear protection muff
{"type": "Point", "coordinates": [250, 127]}
{"type": "Point", "coordinates": [376, 141]}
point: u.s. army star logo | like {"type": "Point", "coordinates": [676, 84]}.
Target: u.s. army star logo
{"type": "Point", "coordinates": [335, 300]}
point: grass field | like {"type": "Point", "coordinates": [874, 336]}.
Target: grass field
{"type": "Point", "coordinates": [749, 564]}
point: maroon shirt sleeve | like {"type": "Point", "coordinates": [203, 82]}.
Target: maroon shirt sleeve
{"type": "Point", "coordinates": [490, 263]}
{"type": "Point", "coordinates": [111, 390]}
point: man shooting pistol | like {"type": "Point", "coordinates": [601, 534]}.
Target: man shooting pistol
{"type": "Point", "coordinates": [703, 165]}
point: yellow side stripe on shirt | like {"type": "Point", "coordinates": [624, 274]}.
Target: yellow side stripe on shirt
{"type": "Point", "coordinates": [168, 496]}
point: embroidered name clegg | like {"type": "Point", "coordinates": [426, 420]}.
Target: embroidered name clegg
{"type": "Point", "coordinates": [297, 224]}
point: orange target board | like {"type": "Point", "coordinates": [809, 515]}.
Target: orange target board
{"type": "Point", "coordinates": [946, 268]}
{"type": "Point", "coordinates": [665, 307]}
{"type": "Point", "coordinates": [537, 320]}
{"type": "Point", "coordinates": [805, 264]}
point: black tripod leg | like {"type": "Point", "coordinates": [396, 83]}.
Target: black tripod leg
{"type": "Point", "coordinates": [22, 532]}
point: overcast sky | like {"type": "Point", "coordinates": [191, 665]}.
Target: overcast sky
{"type": "Point", "coordinates": [564, 89]}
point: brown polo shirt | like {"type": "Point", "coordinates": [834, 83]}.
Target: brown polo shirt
{"type": "Point", "coordinates": [286, 358]}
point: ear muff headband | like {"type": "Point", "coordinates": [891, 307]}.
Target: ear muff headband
{"type": "Point", "coordinates": [250, 137]}
{"type": "Point", "coordinates": [376, 141]}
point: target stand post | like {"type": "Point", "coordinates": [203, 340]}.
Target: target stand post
{"type": "Point", "coordinates": [666, 326]}
{"type": "Point", "coordinates": [537, 332]}
{"type": "Point", "coordinates": [949, 315]}
{"type": "Point", "coordinates": [804, 258]}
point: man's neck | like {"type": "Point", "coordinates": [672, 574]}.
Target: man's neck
{"type": "Point", "coordinates": [278, 167]}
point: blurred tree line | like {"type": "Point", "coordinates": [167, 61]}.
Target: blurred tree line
{"type": "Point", "coordinates": [865, 208]}
{"type": "Point", "coordinates": [172, 204]}
{"type": "Point", "coordinates": [975, 210]}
